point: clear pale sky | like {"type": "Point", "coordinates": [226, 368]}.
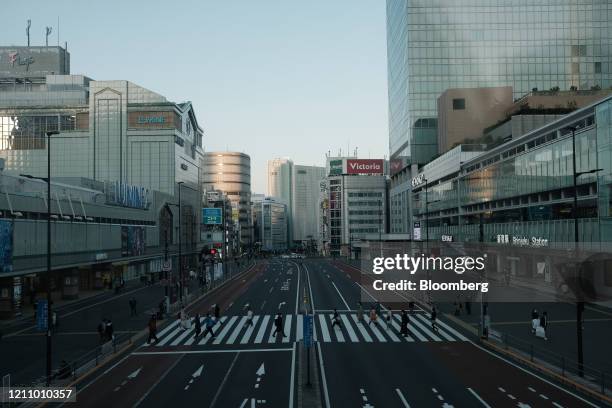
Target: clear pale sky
{"type": "Point", "coordinates": [268, 78]}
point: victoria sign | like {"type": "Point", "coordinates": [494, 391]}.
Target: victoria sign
{"type": "Point", "coordinates": [364, 166]}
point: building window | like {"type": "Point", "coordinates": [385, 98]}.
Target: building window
{"type": "Point", "coordinates": [459, 104]}
{"type": "Point", "coordinates": [575, 68]}
{"type": "Point", "coordinates": [598, 67]}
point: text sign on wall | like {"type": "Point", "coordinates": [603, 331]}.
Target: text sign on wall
{"type": "Point", "coordinates": [364, 166]}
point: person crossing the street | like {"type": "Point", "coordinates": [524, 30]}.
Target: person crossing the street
{"type": "Point", "coordinates": [209, 322]}
{"type": "Point", "coordinates": [434, 316]}
{"type": "Point", "coordinates": [360, 313]}
{"type": "Point", "coordinates": [404, 324]}
{"type": "Point", "coordinates": [249, 321]}
{"type": "Point", "coordinates": [152, 330]}
{"type": "Point", "coordinates": [388, 319]}
{"type": "Point", "coordinates": [278, 323]}
{"type": "Point", "coordinates": [198, 325]}
{"type": "Point", "coordinates": [336, 319]}
{"type": "Point", "coordinates": [373, 317]}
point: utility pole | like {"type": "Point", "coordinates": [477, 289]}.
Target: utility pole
{"type": "Point", "coordinates": [180, 257]}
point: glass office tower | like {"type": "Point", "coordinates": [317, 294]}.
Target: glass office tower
{"type": "Point", "coordinates": [434, 45]}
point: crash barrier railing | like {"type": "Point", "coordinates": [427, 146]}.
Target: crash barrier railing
{"type": "Point", "coordinates": [595, 379]}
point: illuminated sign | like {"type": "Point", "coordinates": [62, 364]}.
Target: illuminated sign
{"type": "Point", "coordinates": [212, 216]}
{"type": "Point", "coordinates": [447, 238]}
{"type": "Point", "coordinates": [143, 120]}
{"type": "Point", "coordinates": [364, 166]}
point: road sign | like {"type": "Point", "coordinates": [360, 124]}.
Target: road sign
{"type": "Point", "coordinates": [212, 216]}
{"type": "Point", "coordinates": [308, 330]}
{"type": "Point", "coordinates": [41, 315]}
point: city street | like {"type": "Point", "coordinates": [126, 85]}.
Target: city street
{"type": "Point", "coordinates": [360, 364]}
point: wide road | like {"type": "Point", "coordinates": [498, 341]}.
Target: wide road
{"type": "Point", "coordinates": [361, 364]}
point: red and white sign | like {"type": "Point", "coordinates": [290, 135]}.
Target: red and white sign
{"type": "Point", "coordinates": [364, 166]}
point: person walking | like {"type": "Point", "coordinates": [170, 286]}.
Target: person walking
{"type": "Point", "coordinates": [535, 320]}
{"type": "Point", "coordinates": [377, 307]}
{"type": "Point", "coordinates": [109, 330]}
{"type": "Point", "coordinates": [198, 325]}
{"type": "Point", "coordinates": [152, 330]}
{"type": "Point", "coordinates": [404, 324]}
{"type": "Point", "coordinates": [249, 321]}
{"type": "Point", "coordinates": [336, 319]}
{"type": "Point", "coordinates": [217, 312]}
{"type": "Point", "coordinates": [434, 316]}
{"type": "Point", "coordinates": [388, 319]}
{"type": "Point", "coordinates": [132, 306]}
{"type": "Point", "coordinates": [544, 324]}
{"type": "Point", "coordinates": [360, 313]}
{"type": "Point", "coordinates": [209, 323]}
{"type": "Point", "coordinates": [278, 323]}
{"type": "Point", "coordinates": [373, 317]}
{"type": "Point", "coordinates": [102, 330]}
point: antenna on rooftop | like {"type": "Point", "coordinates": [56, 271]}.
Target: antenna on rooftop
{"type": "Point", "coordinates": [29, 23]}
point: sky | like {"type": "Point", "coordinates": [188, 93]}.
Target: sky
{"type": "Point", "coordinates": [268, 78]}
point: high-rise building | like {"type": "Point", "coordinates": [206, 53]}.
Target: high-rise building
{"type": "Point", "coordinates": [270, 223]}
{"type": "Point", "coordinates": [305, 186]}
{"type": "Point", "coordinates": [230, 172]}
{"type": "Point", "coordinates": [436, 45]}
{"type": "Point", "coordinates": [280, 174]}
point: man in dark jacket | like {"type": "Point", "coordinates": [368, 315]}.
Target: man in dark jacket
{"type": "Point", "coordinates": [278, 323]}
{"type": "Point", "coordinates": [152, 330]}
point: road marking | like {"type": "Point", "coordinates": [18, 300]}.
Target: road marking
{"type": "Point", "coordinates": [216, 397]}
{"type": "Point", "coordinates": [236, 331]}
{"type": "Point", "coordinates": [262, 329]}
{"type": "Point", "coordinates": [226, 328]}
{"type": "Point", "coordinates": [323, 378]}
{"type": "Point", "coordinates": [297, 290]}
{"type": "Point", "coordinates": [451, 330]}
{"type": "Point", "coordinates": [209, 351]}
{"type": "Point", "coordinates": [292, 378]}
{"type": "Point", "coordinates": [362, 330]}
{"type": "Point", "coordinates": [324, 330]}
{"type": "Point", "coordinates": [340, 294]}
{"type": "Point", "coordinates": [401, 397]}
{"type": "Point", "coordinates": [426, 330]}
{"type": "Point", "coordinates": [484, 404]}
{"type": "Point", "coordinates": [399, 329]}
{"type": "Point", "coordinates": [195, 375]}
{"type": "Point", "coordinates": [557, 405]}
{"type": "Point", "coordinates": [159, 380]}
{"type": "Point", "coordinates": [349, 329]}
{"type": "Point", "coordinates": [208, 336]}
{"type": "Point", "coordinates": [249, 331]}
{"type": "Point", "coordinates": [375, 330]}
{"type": "Point", "coordinates": [299, 328]}
{"type": "Point", "coordinates": [337, 330]}
{"type": "Point", "coordinates": [168, 337]}
{"type": "Point", "coordinates": [182, 336]}
{"type": "Point", "coordinates": [312, 304]}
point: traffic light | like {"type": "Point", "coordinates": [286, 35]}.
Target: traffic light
{"type": "Point", "coordinates": [213, 251]}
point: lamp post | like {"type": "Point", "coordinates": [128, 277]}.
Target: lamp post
{"type": "Point", "coordinates": [380, 224]}
{"type": "Point", "coordinates": [579, 302]}
{"type": "Point", "coordinates": [49, 312]}
{"type": "Point", "coordinates": [180, 241]}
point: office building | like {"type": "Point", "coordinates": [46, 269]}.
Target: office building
{"type": "Point", "coordinates": [305, 186]}
{"type": "Point", "coordinates": [219, 232]}
{"type": "Point", "coordinates": [230, 172]}
{"type": "Point", "coordinates": [270, 219]}
{"type": "Point", "coordinates": [437, 45]}
{"type": "Point", "coordinates": [280, 177]}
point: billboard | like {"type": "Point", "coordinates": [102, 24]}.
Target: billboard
{"type": "Point", "coordinates": [364, 166]}
{"type": "Point", "coordinates": [132, 240]}
{"type": "Point", "coordinates": [212, 216]}
{"type": "Point", "coordinates": [336, 167]}
{"type": "Point", "coordinates": [6, 246]}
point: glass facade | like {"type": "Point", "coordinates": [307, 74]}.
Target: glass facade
{"type": "Point", "coordinates": [25, 132]}
{"type": "Point", "coordinates": [434, 45]}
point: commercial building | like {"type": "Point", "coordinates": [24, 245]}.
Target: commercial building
{"type": "Point", "coordinates": [230, 172]}
{"type": "Point", "coordinates": [520, 194]}
{"type": "Point", "coordinates": [280, 178]}
{"type": "Point", "coordinates": [220, 235]}
{"type": "Point", "coordinates": [433, 46]}
{"type": "Point", "coordinates": [305, 187]}
{"type": "Point", "coordinates": [356, 203]}
{"type": "Point", "coordinates": [270, 219]}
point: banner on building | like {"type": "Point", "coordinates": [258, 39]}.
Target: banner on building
{"type": "Point", "coordinates": [365, 166]}
{"type": "Point", "coordinates": [6, 246]}
{"type": "Point", "coordinates": [132, 240]}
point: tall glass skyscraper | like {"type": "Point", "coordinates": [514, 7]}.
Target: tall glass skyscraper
{"type": "Point", "coordinates": [434, 45]}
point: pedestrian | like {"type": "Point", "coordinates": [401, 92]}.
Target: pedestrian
{"type": "Point", "coordinates": [388, 318]}
{"type": "Point", "coordinates": [133, 306]}
{"type": "Point", "coordinates": [217, 312]}
{"type": "Point", "coordinates": [544, 324]}
{"type": "Point", "coordinates": [535, 320]}
{"type": "Point", "coordinates": [377, 308]}
{"type": "Point", "coordinates": [404, 324]}
{"type": "Point", "coordinates": [336, 319]}
{"type": "Point", "coordinates": [249, 316]}
{"type": "Point", "coordinates": [373, 317]}
{"type": "Point", "coordinates": [102, 330]}
{"type": "Point", "coordinates": [278, 323]}
{"type": "Point", "coordinates": [411, 307]}
{"type": "Point", "coordinates": [360, 313]}
{"type": "Point", "coordinates": [434, 316]}
{"type": "Point", "coordinates": [109, 330]}
{"type": "Point", "coordinates": [184, 322]}
{"type": "Point", "coordinates": [209, 323]}
{"type": "Point", "coordinates": [152, 330]}
{"type": "Point", "coordinates": [198, 325]}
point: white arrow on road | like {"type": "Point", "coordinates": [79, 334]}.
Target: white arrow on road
{"type": "Point", "coordinates": [281, 304]}
{"type": "Point", "coordinates": [129, 377]}
{"type": "Point", "coordinates": [195, 375]}
{"type": "Point", "coordinates": [261, 371]}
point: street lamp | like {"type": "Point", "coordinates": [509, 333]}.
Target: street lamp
{"type": "Point", "coordinates": [579, 303]}
{"type": "Point", "coordinates": [49, 312]}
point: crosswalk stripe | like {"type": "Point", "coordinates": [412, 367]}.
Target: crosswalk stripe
{"type": "Point", "coordinates": [287, 329]}
{"type": "Point", "coordinates": [183, 335]}
{"type": "Point", "coordinates": [168, 328]}
{"type": "Point", "coordinates": [337, 329]}
{"type": "Point", "coordinates": [208, 336]}
{"type": "Point", "coordinates": [389, 331]}
{"type": "Point", "coordinates": [262, 329]}
{"type": "Point", "coordinates": [424, 329]}
{"type": "Point", "coordinates": [249, 331]}
{"type": "Point", "coordinates": [362, 330]}
{"type": "Point", "coordinates": [225, 330]}
{"type": "Point", "coordinates": [453, 331]}
{"type": "Point", "coordinates": [349, 329]}
{"type": "Point", "coordinates": [169, 337]}
{"type": "Point", "coordinates": [324, 330]}
{"type": "Point", "coordinates": [299, 329]}
{"type": "Point", "coordinates": [440, 331]}
{"type": "Point", "coordinates": [237, 330]}
{"type": "Point", "coordinates": [399, 330]}
{"type": "Point", "coordinates": [414, 332]}
{"type": "Point", "coordinates": [375, 330]}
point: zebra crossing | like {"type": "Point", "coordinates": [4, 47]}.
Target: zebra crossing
{"type": "Point", "coordinates": [235, 330]}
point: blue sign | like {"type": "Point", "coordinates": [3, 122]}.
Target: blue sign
{"type": "Point", "coordinates": [41, 315]}
{"type": "Point", "coordinates": [151, 119]}
{"type": "Point", "coordinates": [126, 195]}
{"type": "Point", "coordinates": [308, 330]}
{"type": "Point", "coordinates": [6, 246]}
{"type": "Point", "coordinates": [212, 216]}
